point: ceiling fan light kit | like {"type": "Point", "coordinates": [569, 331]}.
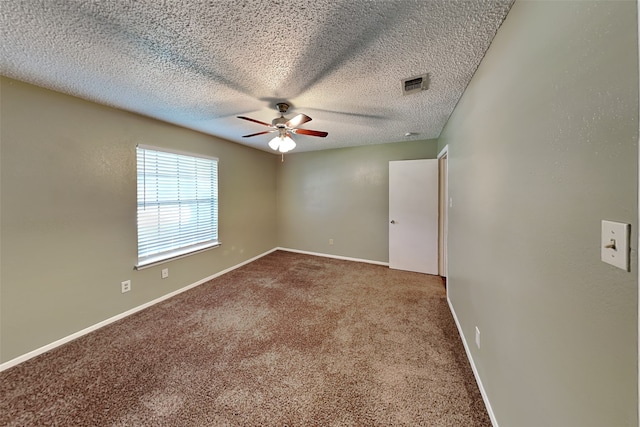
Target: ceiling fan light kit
{"type": "Point", "coordinates": [283, 142]}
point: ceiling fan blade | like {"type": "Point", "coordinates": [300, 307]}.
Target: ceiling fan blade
{"type": "Point", "coordinates": [310, 132]}
{"type": "Point", "coordinates": [254, 120]}
{"type": "Point", "coordinates": [259, 133]}
{"type": "Point", "coordinates": [298, 120]}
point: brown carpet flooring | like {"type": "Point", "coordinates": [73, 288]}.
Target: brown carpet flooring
{"type": "Point", "coordinates": [288, 340]}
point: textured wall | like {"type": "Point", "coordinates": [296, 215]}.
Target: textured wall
{"type": "Point", "coordinates": [68, 218]}
{"type": "Point", "coordinates": [341, 194]}
{"type": "Point", "coordinates": [542, 147]}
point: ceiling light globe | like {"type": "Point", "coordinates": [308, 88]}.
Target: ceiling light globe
{"type": "Point", "coordinates": [274, 144]}
{"type": "Point", "coordinates": [287, 144]}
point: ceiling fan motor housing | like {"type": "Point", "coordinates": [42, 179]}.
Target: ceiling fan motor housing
{"type": "Point", "coordinates": [279, 122]}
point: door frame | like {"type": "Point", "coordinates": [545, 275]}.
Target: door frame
{"type": "Point", "coordinates": [443, 211]}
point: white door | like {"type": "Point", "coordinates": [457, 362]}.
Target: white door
{"type": "Point", "coordinates": [413, 215]}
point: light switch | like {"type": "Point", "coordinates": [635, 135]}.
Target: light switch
{"type": "Point", "coordinates": [614, 245]}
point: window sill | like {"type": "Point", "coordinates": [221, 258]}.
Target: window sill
{"type": "Point", "coordinates": [161, 259]}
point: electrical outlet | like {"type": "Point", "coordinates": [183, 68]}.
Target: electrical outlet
{"type": "Point", "coordinates": [331, 241]}
{"type": "Point", "coordinates": [125, 286]}
{"type": "Point", "coordinates": [477, 337]}
{"type": "Point", "coordinates": [165, 273]}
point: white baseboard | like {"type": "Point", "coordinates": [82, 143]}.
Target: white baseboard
{"type": "Point", "coordinates": [485, 398]}
{"type": "Point", "coordinates": [61, 341]}
{"type": "Point", "coordinates": [345, 258]}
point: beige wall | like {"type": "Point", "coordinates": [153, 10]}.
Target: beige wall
{"type": "Point", "coordinates": [68, 213]}
{"type": "Point", "coordinates": [542, 147]}
{"type": "Point", "coordinates": [341, 194]}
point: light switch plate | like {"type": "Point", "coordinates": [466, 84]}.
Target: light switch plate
{"type": "Point", "coordinates": [614, 244]}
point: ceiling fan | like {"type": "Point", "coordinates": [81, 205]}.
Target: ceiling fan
{"type": "Point", "coordinates": [283, 141]}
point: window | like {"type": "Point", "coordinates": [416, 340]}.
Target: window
{"type": "Point", "coordinates": [177, 204]}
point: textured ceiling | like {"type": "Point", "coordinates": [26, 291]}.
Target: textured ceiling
{"type": "Point", "coordinates": [199, 64]}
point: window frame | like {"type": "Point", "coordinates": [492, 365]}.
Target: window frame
{"type": "Point", "coordinates": [150, 260]}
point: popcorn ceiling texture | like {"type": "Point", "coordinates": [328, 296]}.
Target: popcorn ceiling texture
{"type": "Point", "coordinates": [198, 64]}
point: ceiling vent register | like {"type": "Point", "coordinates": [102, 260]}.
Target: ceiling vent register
{"type": "Point", "coordinates": [415, 84]}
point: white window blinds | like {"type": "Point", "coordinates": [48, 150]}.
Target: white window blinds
{"type": "Point", "coordinates": [177, 204]}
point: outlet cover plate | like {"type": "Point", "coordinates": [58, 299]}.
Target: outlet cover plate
{"type": "Point", "coordinates": [125, 286]}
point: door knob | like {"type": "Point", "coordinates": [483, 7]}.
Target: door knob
{"type": "Point", "coordinates": [393, 221]}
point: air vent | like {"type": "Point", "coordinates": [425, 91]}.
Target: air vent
{"type": "Point", "coordinates": [415, 84]}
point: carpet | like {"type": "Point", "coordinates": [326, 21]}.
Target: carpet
{"type": "Point", "coordinates": [287, 340]}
